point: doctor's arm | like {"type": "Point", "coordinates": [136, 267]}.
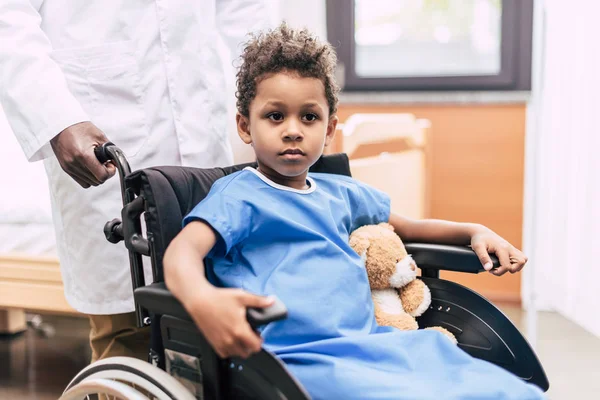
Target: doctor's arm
{"type": "Point", "coordinates": [220, 314]}
{"type": "Point", "coordinates": [44, 115]}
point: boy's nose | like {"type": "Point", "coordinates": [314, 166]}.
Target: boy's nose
{"type": "Point", "coordinates": [293, 136]}
{"type": "Point", "coordinates": [293, 133]}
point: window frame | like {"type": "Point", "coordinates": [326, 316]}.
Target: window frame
{"type": "Point", "coordinates": [515, 54]}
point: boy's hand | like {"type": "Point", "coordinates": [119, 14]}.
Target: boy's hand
{"type": "Point", "coordinates": [221, 316]}
{"type": "Point", "coordinates": [511, 259]}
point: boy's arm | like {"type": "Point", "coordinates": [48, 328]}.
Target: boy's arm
{"type": "Point", "coordinates": [183, 262]}
{"type": "Point", "coordinates": [483, 240]}
{"type": "Point", "coordinates": [220, 314]}
{"type": "Point", "coordinates": [434, 231]}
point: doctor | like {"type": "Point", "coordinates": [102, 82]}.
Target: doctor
{"type": "Point", "coordinates": [150, 76]}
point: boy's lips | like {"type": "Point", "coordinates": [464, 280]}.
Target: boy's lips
{"type": "Point", "coordinates": [292, 152]}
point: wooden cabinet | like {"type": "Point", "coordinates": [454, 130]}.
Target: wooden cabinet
{"type": "Point", "coordinates": [476, 174]}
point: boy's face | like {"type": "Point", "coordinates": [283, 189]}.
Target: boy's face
{"type": "Point", "coordinates": [289, 125]}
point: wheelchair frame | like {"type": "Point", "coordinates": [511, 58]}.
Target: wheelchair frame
{"type": "Point", "coordinates": [178, 347]}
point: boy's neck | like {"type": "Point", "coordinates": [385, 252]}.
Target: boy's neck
{"type": "Point", "coordinates": [294, 182]}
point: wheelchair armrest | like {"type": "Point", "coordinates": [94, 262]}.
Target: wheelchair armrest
{"type": "Point", "coordinates": [445, 257]}
{"type": "Point", "coordinates": [157, 299]}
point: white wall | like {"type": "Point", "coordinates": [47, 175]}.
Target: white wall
{"type": "Point", "coordinates": [562, 212]}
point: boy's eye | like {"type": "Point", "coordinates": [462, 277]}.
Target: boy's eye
{"type": "Point", "coordinates": [311, 117]}
{"type": "Point", "coordinates": [275, 116]}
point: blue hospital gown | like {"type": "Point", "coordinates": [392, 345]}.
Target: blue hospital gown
{"type": "Point", "coordinates": [294, 244]}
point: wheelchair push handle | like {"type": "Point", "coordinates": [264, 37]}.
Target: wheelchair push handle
{"type": "Point", "coordinates": [110, 152]}
{"type": "Point", "coordinates": [262, 316]}
{"type": "Point", "coordinates": [101, 153]}
{"type": "Point", "coordinates": [129, 229]}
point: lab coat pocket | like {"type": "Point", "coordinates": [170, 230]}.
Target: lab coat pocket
{"type": "Point", "coordinates": [105, 79]}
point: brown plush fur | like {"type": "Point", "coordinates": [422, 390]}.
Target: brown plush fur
{"type": "Point", "coordinates": [384, 249]}
{"type": "Point", "coordinates": [412, 296]}
{"type": "Point", "coordinates": [401, 321]}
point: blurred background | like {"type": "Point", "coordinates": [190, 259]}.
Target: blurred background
{"type": "Point", "coordinates": [471, 110]}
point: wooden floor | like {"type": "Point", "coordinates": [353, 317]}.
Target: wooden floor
{"type": "Point", "coordinates": [34, 367]}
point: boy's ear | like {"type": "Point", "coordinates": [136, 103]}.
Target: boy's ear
{"type": "Point", "coordinates": [331, 128]}
{"type": "Point", "coordinates": [243, 128]}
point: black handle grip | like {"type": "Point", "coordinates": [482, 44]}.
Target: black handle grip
{"type": "Point", "coordinates": [262, 316]}
{"type": "Point", "coordinates": [101, 154]}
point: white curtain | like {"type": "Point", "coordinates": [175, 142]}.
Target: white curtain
{"type": "Point", "coordinates": [562, 205]}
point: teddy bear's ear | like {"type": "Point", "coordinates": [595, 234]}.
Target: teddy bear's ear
{"type": "Point", "coordinates": [360, 242]}
{"type": "Point", "coordinates": [387, 226]}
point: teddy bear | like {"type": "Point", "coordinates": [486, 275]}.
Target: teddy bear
{"type": "Point", "coordinates": [398, 295]}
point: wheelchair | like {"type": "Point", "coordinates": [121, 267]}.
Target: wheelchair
{"type": "Point", "coordinates": [181, 363]}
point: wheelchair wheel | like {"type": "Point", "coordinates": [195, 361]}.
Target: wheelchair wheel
{"type": "Point", "coordinates": [109, 389]}
{"type": "Point", "coordinates": [125, 378]}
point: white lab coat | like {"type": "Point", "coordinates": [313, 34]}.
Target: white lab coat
{"type": "Point", "coordinates": [152, 75]}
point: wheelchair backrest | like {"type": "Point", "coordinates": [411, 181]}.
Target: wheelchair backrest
{"type": "Point", "coordinates": [170, 193]}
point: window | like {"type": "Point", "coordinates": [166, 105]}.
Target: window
{"type": "Point", "coordinates": [432, 44]}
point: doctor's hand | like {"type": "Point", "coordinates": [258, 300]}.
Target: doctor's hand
{"type": "Point", "coordinates": [221, 316]}
{"type": "Point", "coordinates": [74, 149]}
{"type": "Point", "coordinates": [511, 259]}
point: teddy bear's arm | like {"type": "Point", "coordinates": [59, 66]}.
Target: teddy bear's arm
{"type": "Point", "coordinates": [360, 244]}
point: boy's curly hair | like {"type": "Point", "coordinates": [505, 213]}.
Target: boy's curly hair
{"type": "Point", "coordinates": [285, 49]}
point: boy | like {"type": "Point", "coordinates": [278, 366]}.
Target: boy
{"type": "Point", "coordinates": [279, 230]}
